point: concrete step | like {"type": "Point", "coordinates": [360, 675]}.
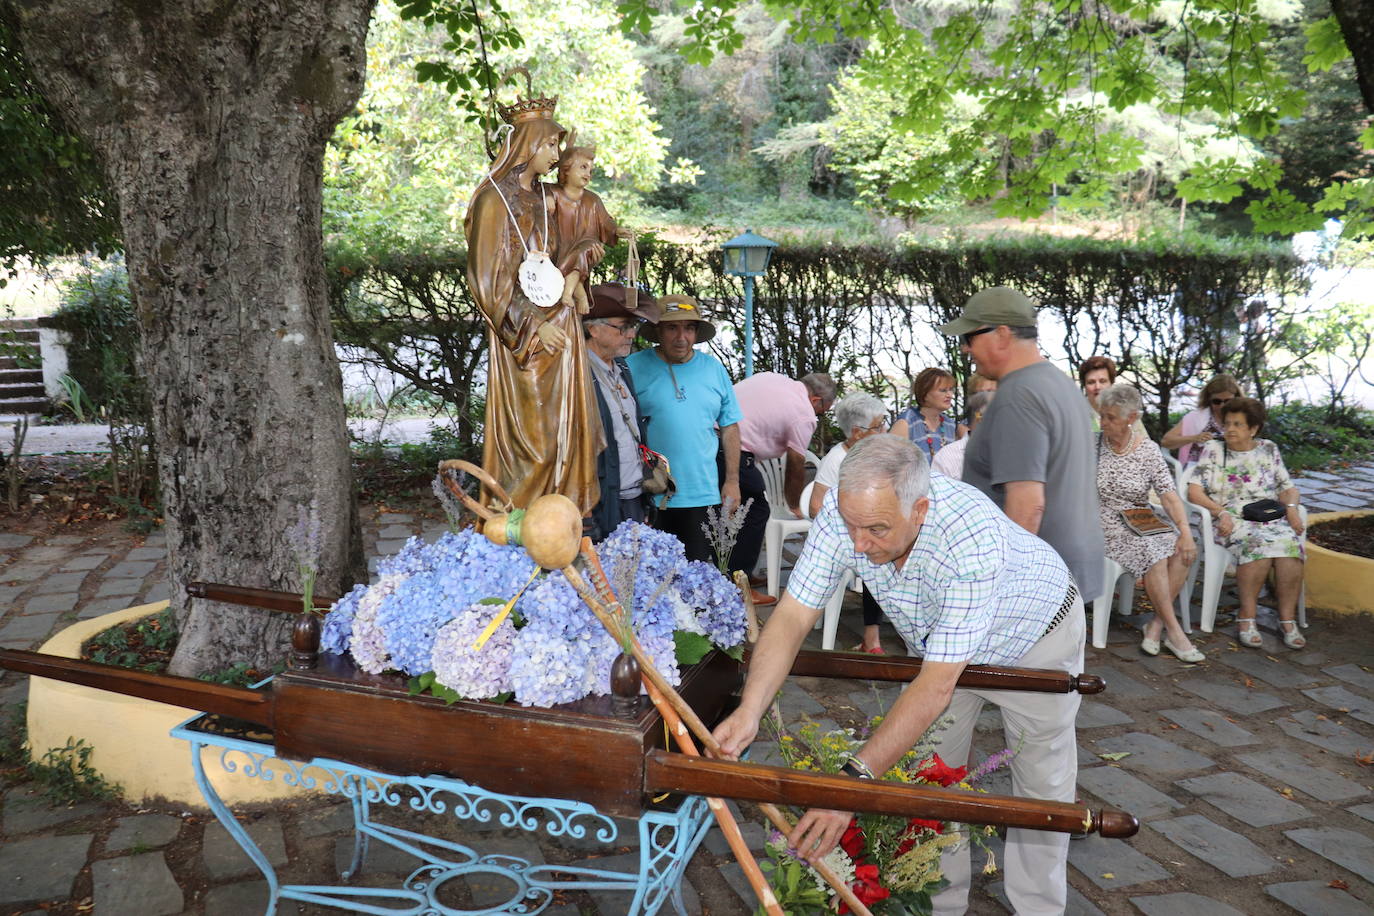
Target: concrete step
{"type": "Point", "coordinates": [26, 390]}
{"type": "Point", "coordinates": [25, 405]}
{"type": "Point", "coordinates": [28, 360]}
{"type": "Point", "coordinates": [12, 375]}
{"type": "Point", "coordinates": [19, 335]}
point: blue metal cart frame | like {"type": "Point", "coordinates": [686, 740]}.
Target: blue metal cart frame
{"type": "Point", "coordinates": [667, 839]}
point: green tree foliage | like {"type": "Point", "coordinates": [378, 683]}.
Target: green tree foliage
{"type": "Point", "coordinates": [1045, 80]}
{"type": "Point", "coordinates": [400, 169]}
{"type": "Point", "coordinates": [53, 198]}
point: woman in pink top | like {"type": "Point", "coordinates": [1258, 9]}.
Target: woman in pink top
{"type": "Point", "coordinates": [1202, 425]}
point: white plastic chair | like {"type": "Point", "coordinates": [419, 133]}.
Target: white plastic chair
{"type": "Point", "coordinates": [1115, 579]}
{"type": "Point", "coordinates": [781, 526]}
{"type": "Point", "coordinates": [830, 620]}
{"type": "Point", "coordinates": [1214, 560]}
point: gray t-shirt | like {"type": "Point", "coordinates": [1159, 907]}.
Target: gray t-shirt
{"type": "Point", "coordinates": [1039, 427]}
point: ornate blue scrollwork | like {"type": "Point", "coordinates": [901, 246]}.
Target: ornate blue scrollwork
{"type": "Point", "coordinates": [667, 839]}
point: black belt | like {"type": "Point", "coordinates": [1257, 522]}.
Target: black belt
{"type": "Point", "coordinates": [1064, 609]}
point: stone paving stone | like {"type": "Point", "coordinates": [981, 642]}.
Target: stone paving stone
{"type": "Point", "coordinates": [135, 886]}
{"type": "Point", "coordinates": [1221, 848]}
{"type": "Point", "coordinates": [795, 701]}
{"type": "Point", "coordinates": [1310, 657]}
{"type": "Point", "coordinates": [1210, 725]}
{"type": "Point", "coordinates": [14, 541]}
{"type": "Point", "coordinates": [1338, 698]}
{"type": "Point", "coordinates": [41, 869]}
{"type": "Point", "coordinates": [1345, 501]}
{"type": "Point", "coordinates": [237, 899]}
{"type": "Point", "coordinates": [388, 548]}
{"type": "Point", "coordinates": [66, 540]}
{"type": "Point", "coordinates": [989, 719]}
{"type": "Point", "coordinates": [1234, 698]}
{"type": "Point", "coordinates": [1120, 789]}
{"type": "Point", "coordinates": [1075, 904]}
{"type": "Point", "coordinates": [21, 632]}
{"type": "Point", "coordinates": [1324, 733]}
{"type": "Point", "coordinates": [395, 532]}
{"type": "Point", "coordinates": [1364, 811]}
{"type": "Point", "coordinates": [130, 569]}
{"type": "Point", "coordinates": [1096, 714]}
{"type": "Point", "coordinates": [24, 572]}
{"type": "Point", "coordinates": [1317, 898]}
{"type": "Point", "coordinates": [60, 582]}
{"type": "Point", "coordinates": [145, 831]}
{"type": "Point", "coordinates": [876, 698]}
{"type": "Point", "coordinates": [1153, 754]}
{"type": "Point", "coordinates": [144, 554]}
{"type": "Point", "coordinates": [1273, 673]}
{"type": "Point", "coordinates": [753, 832]}
{"type": "Point", "coordinates": [156, 539]}
{"type": "Point", "coordinates": [324, 821]}
{"type": "Point", "coordinates": [1096, 858]}
{"type": "Point", "coordinates": [381, 859]}
{"type": "Point", "coordinates": [224, 859]}
{"type": "Point", "coordinates": [102, 606]}
{"type": "Point", "coordinates": [1346, 848]}
{"type": "Point", "coordinates": [1297, 771]}
{"type": "Point", "coordinates": [1351, 674]}
{"type": "Point", "coordinates": [396, 518]}
{"type": "Point", "coordinates": [45, 554]}
{"type": "Point", "coordinates": [1244, 799]}
{"type": "Point", "coordinates": [122, 588]}
{"type": "Point", "coordinates": [7, 595]}
{"type": "Point", "coordinates": [608, 902]}
{"type": "Point", "coordinates": [86, 562]}
{"type": "Point", "coordinates": [27, 810]}
{"type": "Point", "coordinates": [159, 592]}
{"type": "Point", "coordinates": [1123, 686]}
{"type": "Point", "coordinates": [1183, 905]}
{"type": "Point", "coordinates": [44, 604]}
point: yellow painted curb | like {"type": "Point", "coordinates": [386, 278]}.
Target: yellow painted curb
{"type": "Point", "coordinates": [1338, 581]}
{"type": "Point", "coordinates": [129, 736]}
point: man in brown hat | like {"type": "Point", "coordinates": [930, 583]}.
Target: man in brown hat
{"type": "Point", "coordinates": [689, 404]}
{"type": "Point", "coordinates": [610, 327]}
{"type": "Point", "coordinates": [1033, 454]}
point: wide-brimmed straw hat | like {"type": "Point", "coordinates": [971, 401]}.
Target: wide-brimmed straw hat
{"type": "Point", "coordinates": [608, 301]}
{"type": "Point", "coordinates": [680, 308]}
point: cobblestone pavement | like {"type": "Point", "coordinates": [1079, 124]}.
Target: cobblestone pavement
{"type": "Point", "coordinates": [1244, 772]}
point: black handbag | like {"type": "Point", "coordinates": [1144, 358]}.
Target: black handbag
{"type": "Point", "coordinates": [1263, 510]}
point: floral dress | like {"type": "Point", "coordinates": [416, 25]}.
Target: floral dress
{"type": "Point", "coordinates": [1125, 482]}
{"type": "Point", "coordinates": [929, 441]}
{"type": "Point", "coordinates": [1235, 479]}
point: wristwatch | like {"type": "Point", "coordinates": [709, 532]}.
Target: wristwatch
{"type": "Point", "coordinates": [856, 767]}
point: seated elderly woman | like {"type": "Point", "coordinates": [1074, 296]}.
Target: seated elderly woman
{"type": "Point", "coordinates": [1129, 466]}
{"type": "Point", "coordinates": [950, 459]}
{"type": "Point", "coordinates": [1240, 471]}
{"type": "Point", "coordinates": [859, 415]}
{"type": "Point", "coordinates": [1200, 426]}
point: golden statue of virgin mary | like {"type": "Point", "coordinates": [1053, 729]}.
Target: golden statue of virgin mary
{"type": "Point", "coordinates": [543, 431]}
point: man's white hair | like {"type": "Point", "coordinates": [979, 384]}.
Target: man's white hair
{"type": "Point", "coordinates": [887, 461]}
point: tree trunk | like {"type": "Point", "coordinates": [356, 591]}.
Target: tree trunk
{"type": "Point", "coordinates": [211, 119]}
{"type": "Point", "coordinates": [1356, 19]}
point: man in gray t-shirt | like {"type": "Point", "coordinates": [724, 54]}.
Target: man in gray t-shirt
{"type": "Point", "coordinates": [1033, 452]}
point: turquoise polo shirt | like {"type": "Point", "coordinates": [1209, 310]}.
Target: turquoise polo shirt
{"type": "Point", "coordinates": [683, 419]}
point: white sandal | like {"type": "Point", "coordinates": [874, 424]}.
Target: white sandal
{"type": "Point", "coordinates": [1248, 633]}
{"type": "Point", "coordinates": [1292, 638]}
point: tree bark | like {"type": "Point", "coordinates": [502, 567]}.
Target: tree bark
{"type": "Point", "coordinates": [211, 118]}
{"type": "Point", "coordinates": [1356, 19]}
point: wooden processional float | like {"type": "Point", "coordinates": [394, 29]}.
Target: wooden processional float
{"type": "Point", "coordinates": [611, 752]}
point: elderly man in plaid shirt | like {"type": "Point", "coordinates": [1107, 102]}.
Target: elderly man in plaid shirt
{"type": "Point", "coordinates": [962, 585]}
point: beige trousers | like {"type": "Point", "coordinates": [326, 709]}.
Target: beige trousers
{"type": "Point", "coordinates": [1040, 727]}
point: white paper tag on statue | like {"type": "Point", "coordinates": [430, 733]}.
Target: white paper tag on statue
{"type": "Point", "coordinates": [540, 280]}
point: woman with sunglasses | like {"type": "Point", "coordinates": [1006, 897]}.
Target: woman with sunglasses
{"type": "Point", "coordinates": [1202, 425]}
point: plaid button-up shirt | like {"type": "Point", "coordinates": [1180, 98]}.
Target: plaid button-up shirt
{"type": "Point", "coordinates": [976, 587]}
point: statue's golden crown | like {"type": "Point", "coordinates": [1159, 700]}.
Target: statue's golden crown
{"type": "Point", "coordinates": [528, 110]}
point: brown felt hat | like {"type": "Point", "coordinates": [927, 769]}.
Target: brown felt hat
{"type": "Point", "coordinates": [993, 307]}
{"type": "Point", "coordinates": [608, 301]}
{"type": "Point", "coordinates": [680, 308]}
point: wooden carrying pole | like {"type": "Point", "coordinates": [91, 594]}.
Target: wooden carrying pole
{"type": "Point", "coordinates": [862, 666]}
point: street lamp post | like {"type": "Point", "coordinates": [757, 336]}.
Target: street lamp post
{"type": "Point", "coordinates": [747, 256]}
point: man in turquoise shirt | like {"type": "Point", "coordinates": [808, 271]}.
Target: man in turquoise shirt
{"type": "Point", "coordinates": [689, 404]}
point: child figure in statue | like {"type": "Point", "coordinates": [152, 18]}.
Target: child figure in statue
{"type": "Point", "coordinates": [581, 218]}
{"type": "Point", "coordinates": [543, 431]}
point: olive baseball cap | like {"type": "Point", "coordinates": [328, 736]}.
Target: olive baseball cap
{"type": "Point", "coordinates": [994, 306]}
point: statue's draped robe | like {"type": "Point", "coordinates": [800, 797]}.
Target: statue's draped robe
{"type": "Point", "coordinates": [543, 431]}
